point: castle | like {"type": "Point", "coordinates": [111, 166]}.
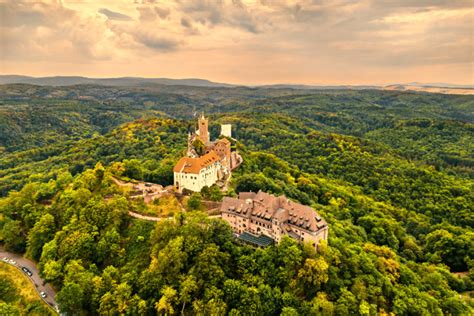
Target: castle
{"type": "Point", "coordinates": [261, 219]}
{"type": "Point", "coordinates": [207, 162]}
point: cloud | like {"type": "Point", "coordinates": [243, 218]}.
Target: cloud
{"type": "Point", "coordinates": [156, 42]}
{"type": "Point", "coordinates": [114, 15]}
{"type": "Point", "coordinates": [186, 22]}
{"type": "Point", "coordinates": [215, 13]}
{"type": "Point", "coordinates": [149, 13]}
{"type": "Point", "coordinates": [288, 40]}
{"type": "Point", "coordinates": [22, 14]}
{"type": "Point", "coordinates": [42, 31]}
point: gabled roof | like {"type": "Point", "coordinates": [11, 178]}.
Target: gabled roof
{"type": "Point", "coordinates": [195, 165]}
{"type": "Point", "coordinates": [267, 206]}
{"type": "Point", "coordinates": [247, 195]}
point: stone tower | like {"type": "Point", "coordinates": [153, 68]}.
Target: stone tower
{"type": "Point", "coordinates": [226, 130]}
{"type": "Point", "coordinates": [203, 129]}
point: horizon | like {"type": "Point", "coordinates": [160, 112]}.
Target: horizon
{"type": "Point", "coordinates": [248, 84]}
{"type": "Point", "coordinates": [249, 43]}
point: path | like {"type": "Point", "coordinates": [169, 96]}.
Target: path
{"type": "Point", "coordinates": [147, 217]}
{"type": "Point", "coordinates": [157, 219]}
{"type": "Point", "coordinates": [147, 190]}
{"type": "Point", "coordinates": [39, 283]}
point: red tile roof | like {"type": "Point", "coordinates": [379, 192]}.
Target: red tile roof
{"type": "Point", "coordinates": [195, 165]}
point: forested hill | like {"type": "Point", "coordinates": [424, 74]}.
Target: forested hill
{"type": "Point", "coordinates": [390, 172]}
{"type": "Point", "coordinates": [433, 128]}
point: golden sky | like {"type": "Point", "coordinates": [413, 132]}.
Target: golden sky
{"type": "Point", "coordinates": [243, 42]}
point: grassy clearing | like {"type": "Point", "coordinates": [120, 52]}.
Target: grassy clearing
{"type": "Point", "coordinates": [165, 206]}
{"type": "Point", "coordinates": [18, 295]}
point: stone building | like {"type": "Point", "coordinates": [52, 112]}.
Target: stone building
{"type": "Point", "coordinates": [262, 216]}
{"type": "Point", "coordinates": [195, 173]}
{"type": "Point", "coordinates": [213, 167]}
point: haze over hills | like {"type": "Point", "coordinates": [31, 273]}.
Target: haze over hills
{"type": "Point", "coordinates": [445, 88]}
{"type": "Point", "coordinates": [121, 81]}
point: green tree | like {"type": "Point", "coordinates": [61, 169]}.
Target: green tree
{"type": "Point", "coordinates": [12, 236]}
{"type": "Point", "coordinates": [70, 298]}
{"type": "Point", "coordinates": [194, 202]}
{"type": "Point", "coordinates": [8, 309]}
{"type": "Point", "coordinates": [313, 275]}
{"type": "Point", "coordinates": [8, 291]}
{"type": "Point", "coordinates": [199, 146]}
{"type": "Point", "coordinates": [166, 304]}
{"type": "Point", "coordinates": [188, 287]}
{"type": "Point", "coordinates": [42, 232]}
{"type": "Point", "coordinates": [321, 306]}
{"type": "Point", "coordinates": [133, 169]}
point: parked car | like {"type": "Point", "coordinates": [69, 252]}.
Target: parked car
{"type": "Point", "coordinates": [11, 261]}
{"type": "Point", "coordinates": [5, 259]}
{"type": "Point", "coordinates": [43, 294]}
{"type": "Point", "coordinates": [27, 271]}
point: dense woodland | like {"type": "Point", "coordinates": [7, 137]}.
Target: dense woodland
{"type": "Point", "coordinates": [391, 172]}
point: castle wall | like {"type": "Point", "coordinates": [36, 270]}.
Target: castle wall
{"type": "Point", "coordinates": [195, 182]}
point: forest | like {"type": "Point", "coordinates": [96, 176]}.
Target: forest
{"type": "Point", "coordinates": [391, 172]}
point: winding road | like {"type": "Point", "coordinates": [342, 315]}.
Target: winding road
{"type": "Point", "coordinates": [39, 283]}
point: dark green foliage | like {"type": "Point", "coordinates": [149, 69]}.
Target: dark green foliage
{"type": "Point", "coordinates": [12, 236]}
{"type": "Point", "coordinates": [7, 290]}
{"type": "Point", "coordinates": [213, 193]}
{"type": "Point", "coordinates": [398, 199]}
{"type": "Point", "coordinates": [199, 146]}
{"type": "Point", "coordinates": [194, 202]}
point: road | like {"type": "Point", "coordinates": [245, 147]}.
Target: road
{"type": "Point", "coordinates": [35, 278]}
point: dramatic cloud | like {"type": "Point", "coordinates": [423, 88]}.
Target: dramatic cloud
{"type": "Point", "coordinates": [265, 41]}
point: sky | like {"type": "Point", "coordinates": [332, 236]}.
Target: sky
{"type": "Point", "coordinates": [242, 42]}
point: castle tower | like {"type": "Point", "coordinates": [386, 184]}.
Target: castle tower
{"type": "Point", "coordinates": [226, 130]}
{"type": "Point", "coordinates": [203, 129]}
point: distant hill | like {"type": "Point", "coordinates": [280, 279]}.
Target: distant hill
{"type": "Point", "coordinates": [444, 88]}
{"type": "Point", "coordinates": [122, 81]}
{"type": "Point", "coordinates": [318, 87]}
{"type": "Point", "coordinates": [433, 88]}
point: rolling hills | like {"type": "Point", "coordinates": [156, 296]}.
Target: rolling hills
{"type": "Point", "coordinates": [390, 171]}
